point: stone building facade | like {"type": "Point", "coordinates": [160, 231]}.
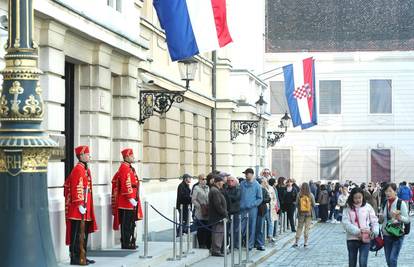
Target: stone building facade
{"type": "Point", "coordinates": [96, 56]}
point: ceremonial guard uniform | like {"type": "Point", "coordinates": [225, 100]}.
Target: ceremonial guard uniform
{"type": "Point", "coordinates": [78, 207]}
{"type": "Point", "coordinates": [126, 205]}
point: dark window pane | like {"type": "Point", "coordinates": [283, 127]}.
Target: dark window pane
{"type": "Point", "coordinates": [281, 162]}
{"type": "Point", "coordinates": [278, 103]}
{"type": "Point", "coordinates": [330, 97]}
{"type": "Point", "coordinates": [380, 96]}
{"type": "Point", "coordinates": [329, 164]}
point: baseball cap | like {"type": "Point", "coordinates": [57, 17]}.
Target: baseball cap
{"type": "Point", "coordinates": [248, 170]}
{"type": "Point", "coordinates": [186, 175]}
{"type": "Point", "coordinates": [218, 178]}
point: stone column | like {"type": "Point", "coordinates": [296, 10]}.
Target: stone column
{"type": "Point", "coordinates": [24, 149]}
{"type": "Point", "coordinates": [95, 104]}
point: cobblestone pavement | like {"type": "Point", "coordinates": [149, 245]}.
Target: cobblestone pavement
{"type": "Point", "coordinates": [327, 247]}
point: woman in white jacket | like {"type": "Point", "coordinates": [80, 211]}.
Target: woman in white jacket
{"type": "Point", "coordinates": [361, 224]}
{"type": "Point", "coordinates": [395, 212]}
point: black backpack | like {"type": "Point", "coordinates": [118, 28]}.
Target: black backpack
{"type": "Point", "coordinates": [407, 226]}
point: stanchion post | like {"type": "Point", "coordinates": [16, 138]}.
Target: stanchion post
{"type": "Point", "coordinates": [232, 240]}
{"type": "Point", "coordinates": [284, 221]}
{"type": "Point", "coordinates": [181, 232]}
{"type": "Point", "coordinates": [189, 246]}
{"type": "Point", "coordinates": [225, 241]}
{"type": "Point", "coordinates": [174, 236]}
{"type": "Point", "coordinates": [146, 256]}
{"type": "Point", "coordinates": [240, 241]}
{"type": "Point", "coordinates": [265, 231]}
{"type": "Point", "coordinates": [247, 239]}
{"type": "Point", "coordinates": [280, 222]}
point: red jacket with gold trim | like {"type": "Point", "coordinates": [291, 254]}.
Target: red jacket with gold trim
{"type": "Point", "coordinates": [125, 185]}
{"type": "Point", "coordinates": [75, 186]}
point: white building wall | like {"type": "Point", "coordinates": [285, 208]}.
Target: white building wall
{"type": "Point", "coordinates": [355, 131]}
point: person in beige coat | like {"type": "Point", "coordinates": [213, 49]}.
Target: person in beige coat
{"type": "Point", "coordinates": [305, 204]}
{"type": "Point", "coordinates": [199, 200]}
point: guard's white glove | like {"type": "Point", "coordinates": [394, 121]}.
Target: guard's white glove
{"type": "Point", "coordinates": [133, 202]}
{"type": "Point", "coordinates": [82, 209]}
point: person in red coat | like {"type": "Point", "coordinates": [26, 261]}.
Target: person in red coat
{"type": "Point", "coordinates": [126, 205]}
{"type": "Point", "coordinates": [79, 205]}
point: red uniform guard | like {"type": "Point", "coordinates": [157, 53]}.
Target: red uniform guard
{"type": "Point", "coordinates": [126, 205]}
{"type": "Point", "coordinates": [77, 203]}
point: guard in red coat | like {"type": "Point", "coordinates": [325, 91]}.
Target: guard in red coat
{"type": "Point", "coordinates": [126, 205]}
{"type": "Point", "coordinates": [79, 205]}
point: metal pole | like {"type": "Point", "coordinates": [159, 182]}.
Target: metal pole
{"type": "Point", "coordinates": [225, 241]}
{"type": "Point", "coordinates": [265, 231]}
{"type": "Point", "coordinates": [25, 147]}
{"type": "Point", "coordinates": [240, 240]}
{"type": "Point", "coordinates": [247, 239]}
{"type": "Point", "coordinates": [284, 221]}
{"type": "Point", "coordinates": [174, 236]}
{"type": "Point", "coordinates": [146, 232]}
{"type": "Point", "coordinates": [189, 247]}
{"type": "Point", "coordinates": [181, 232]}
{"type": "Point", "coordinates": [232, 240]}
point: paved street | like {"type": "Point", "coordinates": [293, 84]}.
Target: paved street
{"type": "Point", "coordinates": [328, 248]}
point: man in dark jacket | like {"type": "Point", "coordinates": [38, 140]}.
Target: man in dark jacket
{"type": "Point", "coordinates": [233, 205]}
{"type": "Point", "coordinates": [184, 198]}
{"type": "Point", "coordinates": [217, 210]}
{"type": "Point", "coordinates": [261, 213]}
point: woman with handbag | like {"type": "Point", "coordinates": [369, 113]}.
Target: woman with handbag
{"type": "Point", "coordinates": [361, 225]}
{"type": "Point", "coordinates": [395, 218]}
{"type": "Point", "coordinates": [200, 203]}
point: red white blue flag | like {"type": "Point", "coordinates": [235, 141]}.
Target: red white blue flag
{"type": "Point", "coordinates": [300, 93]}
{"type": "Point", "coordinates": [193, 26]}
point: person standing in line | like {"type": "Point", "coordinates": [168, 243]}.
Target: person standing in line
{"type": "Point", "coordinates": [323, 201]}
{"type": "Point", "coordinates": [233, 205]}
{"type": "Point", "coordinates": [263, 211]}
{"type": "Point", "coordinates": [199, 199]}
{"type": "Point", "coordinates": [217, 211]}
{"type": "Point", "coordinates": [361, 225]}
{"type": "Point", "coordinates": [184, 198]}
{"type": "Point", "coordinates": [394, 215]}
{"type": "Point", "coordinates": [250, 198]}
{"type": "Point", "coordinates": [333, 202]}
{"type": "Point", "coordinates": [305, 202]}
{"type": "Point", "coordinates": [289, 200]}
{"type": "Point", "coordinates": [275, 207]}
{"type": "Point", "coordinates": [271, 215]}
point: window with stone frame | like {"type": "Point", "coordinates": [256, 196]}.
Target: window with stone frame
{"type": "Point", "coordinates": [330, 97]}
{"type": "Point", "coordinates": [380, 96]}
{"type": "Point", "coordinates": [329, 164]}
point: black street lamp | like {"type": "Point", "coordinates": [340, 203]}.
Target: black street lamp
{"type": "Point", "coordinates": [246, 126]}
{"type": "Point", "coordinates": [274, 136]}
{"type": "Point", "coordinates": [151, 101]}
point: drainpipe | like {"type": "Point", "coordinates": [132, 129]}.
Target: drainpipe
{"type": "Point", "coordinates": [213, 111]}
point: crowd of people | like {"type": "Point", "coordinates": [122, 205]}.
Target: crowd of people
{"type": "Point", "coordinates": [263, 198]}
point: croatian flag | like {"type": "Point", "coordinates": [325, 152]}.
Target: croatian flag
{"type": "Point", "coordinates": [193, 26]}
{"type": "Point", "coordinates": [300, 93]}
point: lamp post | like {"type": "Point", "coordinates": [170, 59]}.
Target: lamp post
{"type": "Point", "coordinates": [151, 101]}
{"type": "Point", "coordinates": [274, 136]}
{"type": "Point", "coordinates": [25, 147]}
{"type": "Point", "coordinates": [246, 126]}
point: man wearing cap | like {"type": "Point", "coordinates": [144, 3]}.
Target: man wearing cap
{"type": "Point", "coordinates": [79, 206]}
{"type": "Point", "coordinates": [251, 197]}
{"type": "Point", "coordinates": [126, 205]}
{"type": "Point", "coordinates": [217, 210]}
{"type": "Point", "coordinates": [184, 198]}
